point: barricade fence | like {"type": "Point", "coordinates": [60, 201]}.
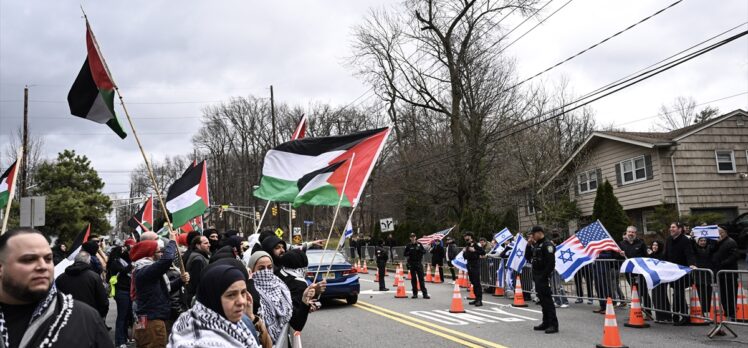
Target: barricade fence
{"type": "Point", "coordinates": [732, 289]}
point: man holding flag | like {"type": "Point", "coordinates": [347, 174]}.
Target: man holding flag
{"type": "Point", "coordinates": [541, 252]}
{"type": "Point", "coordinates": [472, 253]}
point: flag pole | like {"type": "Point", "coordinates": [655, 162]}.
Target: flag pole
{"type": "Point", "coordinates": [137, 140]}
{"type": "Point", "coordinates": [338, 246]}
{"type": "Point", "coordinates": [11, 190]}
{"type": "Point", "coordinates": [257, 228]}
{"type": "Point", "coordinates": [335, 217]}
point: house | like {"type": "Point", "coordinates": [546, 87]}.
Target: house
{"type": "Point", "coordinates": [698, 169]}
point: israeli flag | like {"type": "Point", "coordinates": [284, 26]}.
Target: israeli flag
{"type": "Point", "coordinates": [346, 234]}
{"type": "Point", "coordinates": [654, 271]}
{"type": "Point", "coordinates": [711, 232]}
{"type": "Point", "coordinates": [517, 258]}
{"type": "Point", "coordinates": [503, 236]}
{"type": "Point", "coordinates": [460, 262]}
{"type": "Point", "coordinates": [501, 275]}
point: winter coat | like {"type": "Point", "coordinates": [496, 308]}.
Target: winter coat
{"type": "Point", "coordinates": [679, 250]}
{"type": "Point", "coordinates": [121, 268]}
{"type": "Point", "coordinates": [84, 285]}
{"type": "Point", "coordinates": [437, 254]}
{"type": "Point", "coordinates": [194, 265]}
{"type": "Point", "coordinates": [636, 249]}
{"type": "Point", "coordinates": [703, 256]}
{"type": "Point", "coordinates": [151, 289]}
{"type": "Point", "coordinates": [296, 287]}
{"type": "Point", "coordinates": [725, 255]}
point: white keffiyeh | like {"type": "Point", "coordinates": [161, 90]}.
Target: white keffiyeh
{"type": "Point", "coordinates": [275, 300]}
{"type": "Point", "coordinates": [202, 327]}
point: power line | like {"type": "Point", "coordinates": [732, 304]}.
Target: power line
{"type": "Point", "coordinates": [594, 45]}
{"type": "Point", "coordinates": [533, 28]}
{"type": "Point", "coordinates": [701, 104]}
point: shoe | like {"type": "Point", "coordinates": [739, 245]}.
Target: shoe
{"type": "Point", "coordinates": [589, 302]}
{"type": "Point", "coordinates": [579, 300]}
{"type": "Point", "coordinates": [385, 289]}
{"type": "Point", "coordinates": [551, 330]}
{"type": "Point", "coordinates": [426, 297]}
{"type": "Point", "coordinates": [557, 305]}
{"type": "Point", "coordinates": [621, 305]}
{"type": "Point", "coordinates": [479, 304]}
{"type": "Point", "coordinates": [414, 296]}
{"type": "Point", "coordinates": [540, 327]}
{"type": "Point", "coordinates": [472, 302]}
{"type": "Point", "coordinates": [565, 305]}
{"type": "Point", "coordinates": [682, 322]}
{"type": "Point", "coordinates": [599, 311]}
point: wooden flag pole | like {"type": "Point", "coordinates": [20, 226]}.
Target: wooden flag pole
{"type": "Point", "coordinates": [335, 217]}
{"type": "Point", "coordinates": [337, 248]}
{"type": "Point", "coordinates": [137, 140]}
{"type": "Point", "coordinates": [257, 228]}
{"type": "Point", "coordinates": [11, 191]}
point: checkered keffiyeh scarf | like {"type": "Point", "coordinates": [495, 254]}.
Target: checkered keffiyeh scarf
{"type": "Point", "coordinates": [202, 327]}
{"type": "Point", "coordinates": [276, 302]}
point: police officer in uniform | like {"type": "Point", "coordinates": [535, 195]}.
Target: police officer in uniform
{"type": "Point", "coordinates": [541, 252]}
{"type": "Point", "coordinates": [472, 253]}
{"type": "Point", "coordinates": [414, 251]}
{"type": "Point", "coordinates": [381, 256]}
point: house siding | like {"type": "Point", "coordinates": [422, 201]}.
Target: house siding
{"type": "Point", "coordinates": [699, 184]}
{"type": "Point", "coordinates": [604, 156]}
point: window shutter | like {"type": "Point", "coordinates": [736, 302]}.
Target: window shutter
{"type": "Point", "coordinates": [648, 166]}
{"type": "Point", "coordinates": [599, 176]}
{"type": "Point", "coordinates": [576, 183]}
{"type": "Point", "coordinates": [618, 174]}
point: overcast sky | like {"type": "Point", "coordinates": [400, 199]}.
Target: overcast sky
{"type": "Point", "coordinates": [171, 59]}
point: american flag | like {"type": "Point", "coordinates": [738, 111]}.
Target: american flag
{"type": "Point", "coordinates": [427, 240]}
{"type": "Point", "coordinates": [582, 249]}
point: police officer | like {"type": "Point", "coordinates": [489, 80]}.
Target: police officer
{"type": "Point", "coordinates": [472, 253]}
{"type": "Point", "coordinates": [381, 255]}
{"type": "Point", "coordinates": [541, 252]}
{"type": "Point", "coordinates": [414, 251]}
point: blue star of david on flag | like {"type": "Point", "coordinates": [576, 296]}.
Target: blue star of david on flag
{"type": "Point", "coordinates": [567, 256]}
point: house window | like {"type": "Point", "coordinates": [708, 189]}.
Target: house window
{"type": "Point", "coordinates": [725, 161]}
{"type": "Point", "coordinates": [531, 208]}
{"type": "Point", "coordinates": [587, 181]}
{"type": "Point", "coordinates": [633, 170]}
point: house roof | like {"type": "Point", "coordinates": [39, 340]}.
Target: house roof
{"type": "Point", "coordinates": [645, 139]}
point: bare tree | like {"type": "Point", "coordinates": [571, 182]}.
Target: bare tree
{"type": "Point", "coordinates": [682, 113]}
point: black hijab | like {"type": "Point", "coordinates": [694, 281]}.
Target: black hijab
{"type": "Point", "coordinates": [214, 281]}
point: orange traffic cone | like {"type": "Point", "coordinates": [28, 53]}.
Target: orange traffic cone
{"type": "Point", "coordinates": [519, 297]}
{"type": "Point", "coordinates": [398, 274]}
{"type": "Point", "coordinates": [611, 336]}
{"type": "Point", "coordinates": [296, 343]}
{"type": "Point", "coordinates": [456, 306]}
{"type": "Point", "coordinates": [471, 294]}
{"type": "Point", "coordinates": [636, 318]}
{"type": "Point", "coordinates": [400, 288]}
{"type": "Point", "coordinates": [410, 276]}
{"type": "Point", "coordinates": [376, 277]}
{"type": "Point", "coordinates": [364, 270]}
{"type": "Point", "coordinates": [696, 315]}
{"type": "Point", "coordinates": [499, 290]}
{"type": "Point", "coordinates": [428, 274]}
{"type": "Point", "coordinates": [717, 315]}
{"type": "Point", "coordinates": [437, 278]}
{"type": "Point", "coordinates": [357, 266]}
{"type": "Point", "coordinates": [463, 280]}
{"type": "Point", "coordinates": [741, 305]}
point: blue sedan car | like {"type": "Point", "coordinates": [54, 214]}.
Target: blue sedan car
{"type": "Point", "coordinates": [342, 280]}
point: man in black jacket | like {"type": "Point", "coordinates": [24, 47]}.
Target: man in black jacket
{"type": "Point", "coordinates": [631, 247]}
{"type": "Point", "coordinates": [541, 253]}
{"type": "Point", "coordinates": [451, 253]}
{"type": "Point", "coordinates": [679, 250]}
{"type": "Point", "coordinates": [725, 257]}
{"type": "Point", "coordinates": [381, 256]}
{"type": "Point", "coordinates": [472, 253]}
{"type": "Point", "coordinates": [26, 277]}
{"type": "Point", "coordinates": [194, 265]}
{"type": "Point", "coordinates": [80, 281]}
{"type": "Point", "coordinates": [437, 257]}
{"type": "Point", "coordinates": [414, 252]}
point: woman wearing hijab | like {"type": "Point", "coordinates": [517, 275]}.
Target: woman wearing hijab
{"type": "Point", "coordinates": [275, 298]}
{"type": "Point", "coordinates": [216, 318]}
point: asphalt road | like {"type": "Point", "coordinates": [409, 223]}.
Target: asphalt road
{"type": "Point", "coordinates": [381, 320]}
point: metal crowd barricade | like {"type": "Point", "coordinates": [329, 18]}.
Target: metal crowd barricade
{"type": "Point", "coordinates": [732, 287]}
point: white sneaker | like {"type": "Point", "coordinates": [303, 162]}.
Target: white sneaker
{"type": "Point", "coordinates": [564, 305]}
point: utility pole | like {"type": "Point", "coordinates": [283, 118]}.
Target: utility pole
{"type": "Point", "coordinates": [24, 160]}
{"type": "Point", "coordinates": [275, 143]}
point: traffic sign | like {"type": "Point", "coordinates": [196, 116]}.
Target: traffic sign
{"type": "Point", "coordinates": [308, 222]}
{"type": "Point", "coordinates": [279, 232]}
{"type": "Point", "coordinates": [33, 211]}
{"type": "Point", "coordinates": [386, 225]}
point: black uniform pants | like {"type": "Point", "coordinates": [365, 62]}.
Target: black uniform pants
{"type": "Point", "coordinates": [543, 288]}
{"type": "Point", "coordinates": [474, 276]}
{"type": "Point", "coordinates": [380, 268]}
{"type": "Point", "coordinates": [452, 270]}
{"type": "Point", "coordinates": [416, 274]}
{"type": "Point", "coordinates": [679, 298]}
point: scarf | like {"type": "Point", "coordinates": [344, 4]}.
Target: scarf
{"type": "Point", "coordinates": [276, 302]}
{"type": "Point", "coordinates": [45, 310]}
{"type": "Point", "coordinates": [145, 262]}
{"type": "Point", "coordinates": [202, 327]}
{"type": "Point", "coordinates": [298, 273]}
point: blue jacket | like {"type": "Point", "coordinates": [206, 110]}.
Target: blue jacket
{"type": "Point", "coordinates": [150, 286]}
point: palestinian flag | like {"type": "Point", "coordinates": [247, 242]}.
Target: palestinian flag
{"type": "Point", "coordinates": [300, 131]}
{"type": "Point", "coordinates": [142, 221]}
{"type": "Point", "coordinates": [195, 224]}
{"type": "Point", "coordinates": [92, 94]}
{"type": "Point", "coordinates": [7, 182]}
{"type": "Point", "coordinates": [313, 171]}
{"type": "Point", "coordinates": [188, 196]}
{"type": "Point", "coordinates": [81, 238]}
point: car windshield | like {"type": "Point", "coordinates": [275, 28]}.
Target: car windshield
{"type": "Point", "coordinates": [317, 258]}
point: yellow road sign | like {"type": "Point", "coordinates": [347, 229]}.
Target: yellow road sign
{"type": "Point", "coordinates": [279, 232]}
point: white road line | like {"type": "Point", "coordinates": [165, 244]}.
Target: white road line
{"type": "Point", "coordinates": [520, 308]}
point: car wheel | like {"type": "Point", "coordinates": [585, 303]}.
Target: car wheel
{"type": "Point", "coordinates": [351, 299]}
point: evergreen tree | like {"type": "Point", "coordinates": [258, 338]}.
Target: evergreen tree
{"type": "Point", "coordinates": [610, 213]}
{"type": "Point", "coordinates": [74, 196]}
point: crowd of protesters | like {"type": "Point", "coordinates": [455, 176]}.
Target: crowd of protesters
{"type": "Point", "coordinates": [187, 290]}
